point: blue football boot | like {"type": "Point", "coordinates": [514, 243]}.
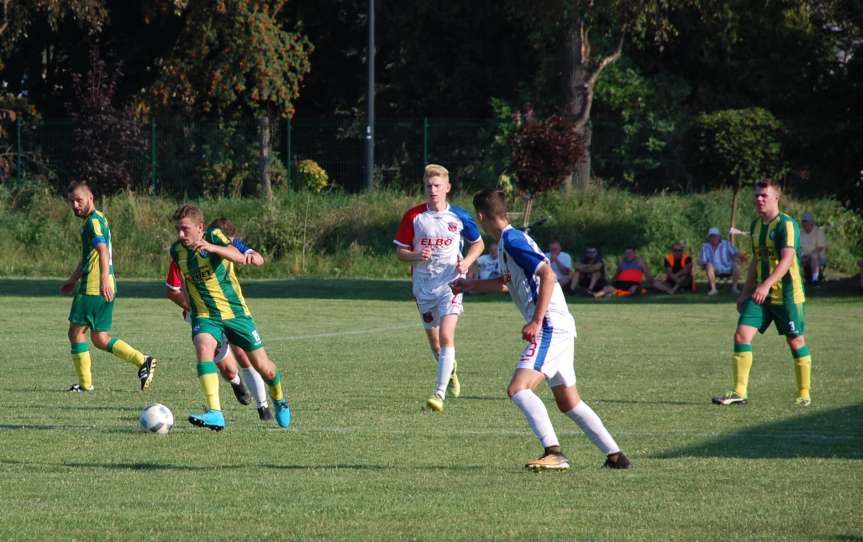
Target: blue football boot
{"type": "Point", "coordinates": [283, 413]}
{"type": "Point", "coordinates": [211, 419]}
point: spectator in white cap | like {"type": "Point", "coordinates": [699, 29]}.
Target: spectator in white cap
{"type": "Point", "coordinates": [813, 248]}
{"type": "Point", "coordinates": [719, 259]}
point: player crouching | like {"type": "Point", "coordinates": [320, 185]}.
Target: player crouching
{"type": "Point", "coordinates": [550, 332]}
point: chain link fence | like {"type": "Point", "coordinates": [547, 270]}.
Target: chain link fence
{"type": "Point", "coordinates": [184, 157]}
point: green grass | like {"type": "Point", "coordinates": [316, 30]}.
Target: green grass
{"type": "Point", "coordinates": [363, 462]}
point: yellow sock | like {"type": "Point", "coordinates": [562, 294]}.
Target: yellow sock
{"type": "Point", "coordinates": [82, 363]}
{"type": "Point", "coordinates": [208, 374]}
{"type": "Point", "coordinates": [803, 371]}
{"type": "Point", "coordinates": [275, 387]}
{"type": "Point", "coordinates": [122, 350]}
{"type": "Point", "coordinates": [742, 365]}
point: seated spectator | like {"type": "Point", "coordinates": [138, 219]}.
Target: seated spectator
{"type": "Point", "coordinates": [588, 274]}
{"type": "Point", "coordinates": [678, 272]}
{"type": "Point", "coordinates": [631, 272]}
{"type": "Point", "coordinates": [813, 248]}
{"type": "Point", "coordinates": [487, 266]}
{"type": "Point", "coordinates": [561, 262]}
{"type": "Point", "coordinates": [719, 259]}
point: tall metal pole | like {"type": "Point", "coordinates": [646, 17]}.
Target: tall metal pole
{"type": "Point", "coordinates": [370, 101]}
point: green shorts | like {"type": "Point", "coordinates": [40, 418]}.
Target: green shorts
{"type": "Point", "coordinates": [788, 318]}
{"type": "Point", "coordinates": [92, 311]}
{"type": "Point", "coordinates": [240, 331]}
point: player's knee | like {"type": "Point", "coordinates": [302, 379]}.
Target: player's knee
{"type": "Point", "coordinates": [101, 340]}
{"type": "Point", "coordinates": [796, 342]}
{"type": "Point", "coordinates": [514, 388]}
{"type": "Point", "coordinates": [740, 337]}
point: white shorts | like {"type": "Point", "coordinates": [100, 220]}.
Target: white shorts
{"type": "Point", "coordinates": [432, 310]}
{"type": "Point", "coordinates": [224, 346]}
{"type": "Point", "coordinates": [553, 355]}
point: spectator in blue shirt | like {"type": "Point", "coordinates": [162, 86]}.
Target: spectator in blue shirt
{"type": "Point", "coordinates": [719, 259]}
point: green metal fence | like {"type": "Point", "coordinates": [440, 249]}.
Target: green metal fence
{"type": "Point", "coordinates": [182, 156]}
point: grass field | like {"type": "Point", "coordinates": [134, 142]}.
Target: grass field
{"type": "Point", "coordinates": [363, 462]}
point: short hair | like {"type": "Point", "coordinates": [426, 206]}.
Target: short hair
{"type": "Point", "coordinates": [768, 183]}
{"type": "Point", "coordinates": [189, 211]}
{"type": "Point", "coordinates": [490, 203]}
{"type": "Point", "coordinates": [225, 225]}
{"type": "Point", "coordinates": [75, 185]}
{"type": "Point", "coordinates": [435, 170]}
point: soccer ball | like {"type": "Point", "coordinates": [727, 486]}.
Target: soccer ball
{"type": "Point", "coordinates": [156, 418]}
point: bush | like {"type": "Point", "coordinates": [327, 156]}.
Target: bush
{"type": "Point", "coordinates": [313, 176]}
{"type": "Point", "coordinates": [339, 235]}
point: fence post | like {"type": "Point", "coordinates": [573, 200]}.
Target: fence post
{"type": "Point", "coordinates": [425, 141]}
{"type": "Point", "coordinates": [289, 128]}
{"type": "Point", "coordinates": [153, 155]}
{"type": "Point", "coordinates": [19, 151]}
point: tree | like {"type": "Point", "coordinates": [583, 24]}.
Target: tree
{"type": "Point", "coordinates": [731, 147]}
{"type": "Point", "coordinates": [106, 139]}
{"type": "Point", "coordinates": [233, 58]}
{"type": "Point", "coordinates": [591, 36]}
{"type": "Point", "coordinates": [542, 153]}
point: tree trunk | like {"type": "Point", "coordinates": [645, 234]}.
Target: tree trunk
{"type": "Point", "coordinates": [734, 211]}
{"type": "Point", "coordinates": [583, 73]}
{"type": "Point", "coordinates": [528, 207]}
{"type": "Point", "coordinates": [264, 163]}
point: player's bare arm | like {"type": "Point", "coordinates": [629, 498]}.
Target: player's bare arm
{"type": "Point", "coordinates": [763, 289]}
{"type": "Point", "coordinates": [473, 252]}
{"type": "Point", "coordinates": [69, 286]}
{"type": "Point", "coordinates": [228, 252]}
{"type": "Point", "coordinates": [106, 289]}
{"type": "Point", "coordinates": [253, 258]}
{"type": "Point", "coordinates": [748, 286]}
{"type": "Point", "coordinates": [479, 286]}
{"type": "Point", "coordinates": [178, 297]}
{"type": "Point", "coordinates": [547, 281]}
{"type": "Point", "coordinates": [408, 255]}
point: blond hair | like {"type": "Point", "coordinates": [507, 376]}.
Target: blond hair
{"type": "Point", "coordinates": [435, 170]}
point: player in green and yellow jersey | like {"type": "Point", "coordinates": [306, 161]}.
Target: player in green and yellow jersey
{"type": "Point", "coordinates": [93, 305]}
{"type": "Point", "coordinates": [204, 258]}
{"type": "Point", "coordinates": [778, 297]}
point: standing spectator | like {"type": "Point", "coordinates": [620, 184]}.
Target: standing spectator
{"type": "Point", "coordinates": [813, 248]}
{"type": "Point", "coordinates": [678, 271]}
{"type": "Point", "coordinates": [719, 259]}
{"type": "Point", "coordinates": [631, 272]}
{"type": "Point", "coordinates": [589, 272]}
{"type": "Point", "coordinates": [488, 265]}
{"type": "Point", "coordinates": [561, 262]}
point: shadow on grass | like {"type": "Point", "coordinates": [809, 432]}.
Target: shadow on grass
{"type": "Point", "coordinates": [379, 290]}
{"type": "Point", "coordinates": [836, 433]}
{"type": "Point", "coordinates": [153, 466]}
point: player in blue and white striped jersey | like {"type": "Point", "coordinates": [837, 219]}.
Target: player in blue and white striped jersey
{"type": "Point", "coordinates": [549, 331]}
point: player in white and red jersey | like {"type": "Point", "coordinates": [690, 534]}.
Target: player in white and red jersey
{"type": "Point", "coordinates": [549, 331]}
{"type": "Point", "coordinates": [430, 238]}
{"type": "Point", "coordinates": [227, 356]}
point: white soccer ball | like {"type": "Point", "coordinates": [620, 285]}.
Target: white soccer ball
{"type": "Point", "coordinates": [156, 418]}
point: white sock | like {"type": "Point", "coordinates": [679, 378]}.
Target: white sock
{"type": "Point", "coordinates": [537, 417]}
{"type": "Point", "coordinates": [235, 380]}
{"type": "Point", "coordinates": [593, 427]}
{"type": "Point", "coordinates": [256, 385]}
{"type": "Point", "coordinates": [814, 277]}
{"type": "Point", "coordinates": [445, 362]}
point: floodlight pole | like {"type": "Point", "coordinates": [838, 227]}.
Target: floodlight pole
{"type": "Point", "coordinates": [370, 101]}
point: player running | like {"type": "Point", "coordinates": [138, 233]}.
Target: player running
{"type": "Point", "coordinates": [93, 305]}
{"type": "Point", "coordinates": [218, 309]}
{"type": "Point", "coordinates": [550, 333]}
{"type": "Point", "coordinates": [430, 238]}
{"type": "Point", "coordinates": [778, 297]}
{"type": "Point", "coordinates": [227, 356]}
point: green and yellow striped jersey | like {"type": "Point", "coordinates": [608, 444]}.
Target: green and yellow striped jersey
{"type": "Point", "coordinates": [768, 240]}
{"type": "Point", "coordinates": [210, 280]}
{"type": "Point", "coordinates": [94, 232]}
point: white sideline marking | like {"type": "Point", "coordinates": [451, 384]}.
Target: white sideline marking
{"type": "Point", "coordinates": [344, 333]}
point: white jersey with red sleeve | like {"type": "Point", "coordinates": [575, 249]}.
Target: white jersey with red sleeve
{"type": "Point", "coordinates": [443, 233]}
